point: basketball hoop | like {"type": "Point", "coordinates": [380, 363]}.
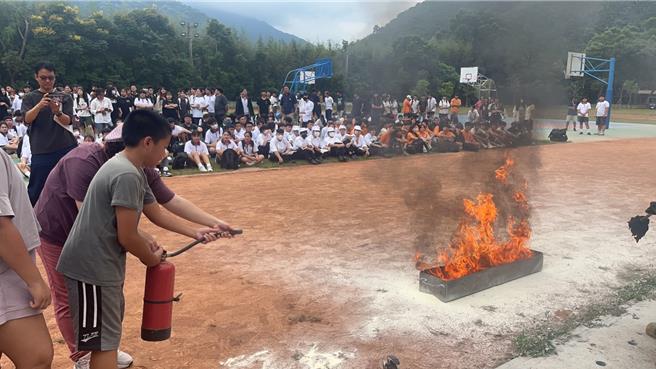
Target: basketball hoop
{"type": "Point", "coordinates": [469, 75]}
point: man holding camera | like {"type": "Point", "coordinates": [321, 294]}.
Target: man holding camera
{"type": "Point", "coordinates": [48, 113]}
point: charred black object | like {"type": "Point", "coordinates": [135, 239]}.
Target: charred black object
{"type": "Point", "coordinates": [390, 362]}
{"type": "Point", "coordinates": [639, 224]}
{"type": "Point", "coordinates": [456, 288]}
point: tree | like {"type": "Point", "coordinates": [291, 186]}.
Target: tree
{"type": "Point", "coordinates": [421, 88]}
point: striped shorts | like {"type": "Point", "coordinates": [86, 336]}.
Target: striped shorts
{"type": "Point", "coordinates": [97, 313]}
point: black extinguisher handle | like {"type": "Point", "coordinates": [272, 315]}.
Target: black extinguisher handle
{"type": "Point", "coordinates": [187, 247]}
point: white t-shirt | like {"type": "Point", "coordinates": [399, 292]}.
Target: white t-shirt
{"type": "Point", "coordinates": [583, 109]}
{"type": "Point", "coordinates": [329, 102]}
{"type": "Point", "coordinates": [244, 104]}
{"type": "Point", "coordinates": [307, 110]}
{"type": "Point", "coordinates": [248, 149]}
{"type": "Point", "coordinates": [602, 108]}
{"type": "Point", "coordinates": [210, 103]}
{"type": "Point", "coordinates": [329, 141]}
{"type": "Point", "coordinates": [4, 140]}
{"type": "Point", "coordinates": [239, 135]}
{"type": "Point", "coordinates": [198, 103]}
{"type": "Point", "coordinates": [279, 146]}
{"type": "Point", "coordinates": [104, 117]}
{"type": "Point", "coordinates": [21, 129]}
{"type": "Point", "coordinates": [359, 142]}
{"type": "Point", "coordinates": [17, 103]}
{"type": "Point", "coordinates": [144, 103]}
{"type": "Point", "coordinates": [263, 139]}
{"type": "Point", "coordinates": [299, 143]}
{"type": "Point", "coordinates": [222, 146]}
{"type": "Point", "coordinates": [26, 151]}
{"type": "Point", "coordinates": [213, 137]}
{"type": "Point", "coordinates": [201, 148]}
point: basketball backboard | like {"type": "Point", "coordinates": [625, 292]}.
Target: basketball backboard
{"type": "Point", "coordinates": [468, 74]}
{"type": "Point", "coordinates": [575, 65]}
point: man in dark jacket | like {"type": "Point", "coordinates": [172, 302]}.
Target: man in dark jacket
{"type": "Point", "coordinates": [220, 105]}
{"type": "Point", "coordinates": [244, 104]}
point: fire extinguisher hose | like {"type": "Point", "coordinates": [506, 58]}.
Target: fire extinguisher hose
{"type": "Point", "coordinates": [187, 247]}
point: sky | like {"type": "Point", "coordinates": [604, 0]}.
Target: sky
{"type": "Point", "coordinates": [321, 21]}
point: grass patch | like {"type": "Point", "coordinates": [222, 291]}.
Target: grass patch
{"type": "Point", "coordinates": [541, 340]}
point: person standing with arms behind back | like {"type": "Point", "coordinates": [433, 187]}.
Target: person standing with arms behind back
{"type": "Point", "coordinates": [48, 113]}
{"type": "Point", "coordinates": [603, 107]}
{"type": "Point", "coordinates": [571, 115]}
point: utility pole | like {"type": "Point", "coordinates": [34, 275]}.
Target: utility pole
{"type": "Point", "coordinates": [190, 37]}
{"type": "Point", "coordinates": [345, 45]}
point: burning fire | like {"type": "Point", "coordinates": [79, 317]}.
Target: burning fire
{"type": "Point", "coordinates": [474, 246]}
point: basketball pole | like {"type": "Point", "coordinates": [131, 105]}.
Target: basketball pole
{"type": "Point", "coordinates": [609, 88]}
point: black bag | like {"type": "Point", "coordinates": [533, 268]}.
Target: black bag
{"type": "Point", "coordinates": [180, 161]}
{"type": "Point", "coordinates": [558, 135]}
{"type": "Point", "coordinates": [229, 159]}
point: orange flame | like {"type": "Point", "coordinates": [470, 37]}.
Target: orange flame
{"type": "Point", "coordinates": [474, 246]}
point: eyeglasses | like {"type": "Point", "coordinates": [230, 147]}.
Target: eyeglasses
{"type": "Point", "coordinates": [47, 78]}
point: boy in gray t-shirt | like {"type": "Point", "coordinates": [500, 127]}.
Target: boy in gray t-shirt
{"type": "Point", "coordinates": [93, 257]}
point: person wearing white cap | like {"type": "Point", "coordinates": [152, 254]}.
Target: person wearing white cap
{"type": "Point", "coordinates": [303, 149]}
{"type": "Point", "coordinates": [212, 136]}
{"type": "Point", "coordinates": [316, 142]}
{"type": "Point", "coordinates": [294, 134]}
{"type": "Point", "coordinates": [345, 138]}
{"type": "Point", "coordinates": [280, 150]}
{"type": "Point", "coordinates": [360, 147]}
{"type": "Point", "coordinates": [197, 151]}
{"type": "Point", "coordinates": [334, 146]}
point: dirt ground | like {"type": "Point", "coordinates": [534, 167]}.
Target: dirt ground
{"type": "Point", "coordinates": [324, 274]}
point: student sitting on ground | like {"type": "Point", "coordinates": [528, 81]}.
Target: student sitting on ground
{"type": "Point", "coordinates": [426, 136]}
{"type": "Point", "coordinates": [264, 141]}
{"type": "Point", "coordinates": [303, 149]}
{"type": "Point", "coordinates": [212, 136]}
{"type": "Point", "coordinates": [446, 141]}
{"type": "Point", "coordinates": [413, 144]}
{"type": "Point", "coordinates": [8, 142]}
{"type": "Point", "coordinates": [316, 142]}
{"type": "Point", "coordinates": [333, 146]}
{"type": "Point", "coordinates": [280, 150]}
{"type": "Point", "coordinates": [227, 152]}
{"type": "Point", "coordinates": [360, 144]}
{"type": "Point", "coordinates": [249, 151]}
{"type": "Point", "coordinates": [470, 143]}
{"type": "Point", "coordinates": [197, 152]}
{"type": "Point", "coordinates": [25, 156]}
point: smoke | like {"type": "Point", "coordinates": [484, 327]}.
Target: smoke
{"type": "Point", "coordinates": [433, 188]}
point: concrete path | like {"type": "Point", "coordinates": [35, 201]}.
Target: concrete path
{"type": "Point", "coordinates": [620, 344]}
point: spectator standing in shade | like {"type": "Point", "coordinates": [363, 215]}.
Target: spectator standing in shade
{"type": "Point", "coordinates": [455, 108]}
{"type": "Point", "coordinates": [583, 111]}
{"type": "Point", "coordinates": [170, 108]}
{"type": "Point", "coordinates": [220, 105]}
{"type": "Point", "coordinates": [329, 102]}
{"type": "Point", "coordinates": [198, 104]}
{"type": "Point", "coordinates": [244, 104]}
{"type": "Point", "coordinates": [287, 103]}
{"type": "Point", "coordinates": [142, 102]}
{"type": "Point", "coordinates": [49, 115]}
{"type": "Point", "coordinates": [263, 103]}
{"type": "Point", "coordinates": [124, 104]}
{"type": "Point", "coordinates": [210, 97]}
{"type": "Point", "coordinates": [183, 103]}
{"type": "Point", "coordinates": [571, 114]}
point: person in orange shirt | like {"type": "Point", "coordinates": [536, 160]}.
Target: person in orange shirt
{"type": "Point", "coordinates": [455, 108]}
{"type": "Point", "coordinates": [407, 106]}
{"type": "Point", "coordinates": [426, 136]}
{"type": "Point", "coordinates": [470, 143]}
{"type": "Point", "coordinates": [413, 144]}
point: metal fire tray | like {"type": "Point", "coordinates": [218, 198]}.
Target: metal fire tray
{"type": "Point", "coordinates": [454, 289]}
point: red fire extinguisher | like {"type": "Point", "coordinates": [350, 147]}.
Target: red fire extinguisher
{"type": "Point", "coordinates": [158, 297]}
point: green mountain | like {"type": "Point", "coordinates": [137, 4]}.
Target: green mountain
{"type": "Point", "coordinates": [246, 27]}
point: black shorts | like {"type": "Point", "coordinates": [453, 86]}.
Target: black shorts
{"type": "Point", "coordinates": [97, 314]}
{"type": "Point", "coordinates": [601, 121]}
{"type": "Point", "coordinates": [583, 119]}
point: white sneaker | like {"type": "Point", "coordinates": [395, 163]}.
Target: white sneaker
{"type": "Point", "coordinates": [123, 359]}
{"type": "Point", "coordinates": [209, 168]}
{"type": "Point", "coordinates": [202, 168]}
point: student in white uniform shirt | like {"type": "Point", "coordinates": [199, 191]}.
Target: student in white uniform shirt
{"type": "Point", "coordinates": [19, 124]}
{"type": "Point", "coordinates": [335, 147]}
{"type": "Point", "coordinates": [226, 143]}
{"type": "Point", "coordinates": [328, 100]}
{"type": "Point", "coordinates": [239, 128]}
{"type": "Point", "coordinates": [198, 105]}
{"type": "Point", "coordinates": [213, 135]}
{"type": "Point", "coordinates": [583, 110]}
{"type": "Point", "coordinates": [346, 138]}
{"type": "Point", "coordinates": [26, 157]}
{"type": "Point", "coordinates": [360, 147]}
{"type": "Point", "coordinates": [197, 151]}
{"type": "Point", "coordinates": [142, 102]}
{"type": "Point", "coordinates": [316, 141]}
{"type": "Point", "coordinates": [249, 151]}
{"type": "Point", "coordinates": [307, 109]}
{"type": "Point", "coordinates": [280, 150]}
{"type": "Point", "coordinates": [303, 148]}
{"type": "Point", "coordinates": [295, 134]}
{"type": "Point", "coordinates": [602, 108]}
{"type": "Point", "coordinates": [263, 141]}
{"type": "Point", "coordinates": [102, 109]}
{"type": "Point", "coordinates": [254, 131]}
